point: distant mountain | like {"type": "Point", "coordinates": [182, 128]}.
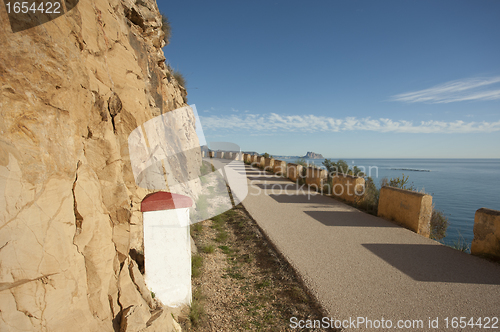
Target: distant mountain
{"type": "Point", "coordinates": [312, 155]}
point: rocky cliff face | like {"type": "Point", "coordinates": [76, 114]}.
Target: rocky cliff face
{"type": "Point", "coordinates": [71, 91]}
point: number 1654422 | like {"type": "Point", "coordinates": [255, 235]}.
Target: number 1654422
{"type": "Point", "coordinates": [26, 7]}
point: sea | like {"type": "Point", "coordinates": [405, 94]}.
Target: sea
{"type": "Point", "coordinates": [458, 187]}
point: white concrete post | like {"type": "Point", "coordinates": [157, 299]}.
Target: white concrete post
{"type": "Point", "coordinates": [167, 247]}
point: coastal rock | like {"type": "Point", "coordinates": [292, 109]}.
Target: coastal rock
{"type": "Point", "coordinates": [71, 92]}
{"type": "Point", "coordinates": [312, 155]}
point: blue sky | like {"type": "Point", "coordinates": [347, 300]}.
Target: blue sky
{"type": "Point", "coordinates": [347, 79]}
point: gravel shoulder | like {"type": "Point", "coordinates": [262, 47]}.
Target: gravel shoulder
{"type": "Point", "coordinates": [241, 283]}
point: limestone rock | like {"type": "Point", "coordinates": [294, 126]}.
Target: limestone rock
{"type": "Point", "coordinates": [162, 321]}
{"type": "Point", "coordinates": [135, 309]}
{"type": "Point", "coordinates": [93, 239]}
{"type": "Point", "coordinates": [138, 280]}
{"type": "Point", "coordinates": [71, 92]}
{"type": "Point", "coordinates": [134, 319]}
{"type": "Point", "coordinates": [312, 155]}
{"type": "Point", "coordinates": [114, 105]}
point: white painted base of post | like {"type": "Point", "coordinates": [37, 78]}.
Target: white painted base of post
{"type": "Point", "coordinates": [167, 255]}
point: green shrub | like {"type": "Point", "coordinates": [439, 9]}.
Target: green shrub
{"type": "Point", "coordinates": [226, 250]}
{"type": "Point", "coordinates": [167, 29]}
{"type": "Point", "coordinates": [263, 284]}
{"type": "Point", "coordinates": [179, 78]}
{"type": "Point", "coordinates": [369, 203]}
{"type": "Point", "coordinates": [267, 155]}
{"type": "Point", "coordinates": [221, 236]}
{"type": "Point", "coordinates": [197, 308]}
{"type": "Point", "coordinates": [196, 264]}
{"type": "Point", "coordinates": [301, 161]}
{"type": "Point", "coordinates": [208, 249]}
{"type": "Point", "coordinates": [401, 183]}
{"type": "Point", "coordinates": [461, 244]}
{"type": "Point", "coordinates": [196, 229]}
{"type": "Point", "coordinates": [439, 224]}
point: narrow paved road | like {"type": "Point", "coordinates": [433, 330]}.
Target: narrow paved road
{"type": "Point", "coordinates": [361, 266]}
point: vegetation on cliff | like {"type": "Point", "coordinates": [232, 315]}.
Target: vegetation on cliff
{"type": "Point", "coordinates": [167, 29]}
{"type": "Point", "coordinates": [179, 78]}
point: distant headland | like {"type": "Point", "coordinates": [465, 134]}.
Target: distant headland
{"type": "Point", "coordinates": [312, 155]}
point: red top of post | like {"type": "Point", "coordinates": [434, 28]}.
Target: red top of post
{"type": "Point", "coordinates": [165, 201]}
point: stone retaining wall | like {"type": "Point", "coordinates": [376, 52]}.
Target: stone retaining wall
{"type": "Point", "coordinates": [347, 187]}
{"type": "Point", "coordinates": [279, 167]}
{"type": "Point", "coordinates": [486, 233]}
{"type": "Point", "coordinates": [261, 161]}
{"type": "Point", "coordinates": [294, 171]}
{"type": "Point", "coordinates": [269, 164]}
{"type": "Point", "coordinates": [316, 177]}
{"type": "Point", "coordinates": [411, 209]}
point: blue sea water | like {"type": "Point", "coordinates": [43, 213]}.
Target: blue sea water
{"type": "Point", "coordinates": [458, 186]}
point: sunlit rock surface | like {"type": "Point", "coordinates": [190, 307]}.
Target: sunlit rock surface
{"type": "Point", "coordinates": [71, 91]}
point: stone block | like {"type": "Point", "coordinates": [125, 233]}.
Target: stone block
{"type": "Point", "coordinates": [269, 164]}
{"type": "Point", "coordinates": [316, 177]}
{"type": "Point", "coordinates": [347, 187]}
{"type": "Point", "coordinates": [410, 209]}
{"type": "Point", "coordinates": [294, 171]}
{"type": "Point", "coordinates": [279, 167]}
{"type": "Point", "coordinates": [260, 161]}
{"type": "Point", "coordinates": [486, 234]}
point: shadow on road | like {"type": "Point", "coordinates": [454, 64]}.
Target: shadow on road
{"type": "Point", "coordinates": [436, 263]}
{"type": "Point", "coordinates": [348, 219]}
{"type": "Point", "coordinates": [268, 178]}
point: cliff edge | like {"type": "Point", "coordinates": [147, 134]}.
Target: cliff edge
{"type": "Point", "coordinates": [71, 91]}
